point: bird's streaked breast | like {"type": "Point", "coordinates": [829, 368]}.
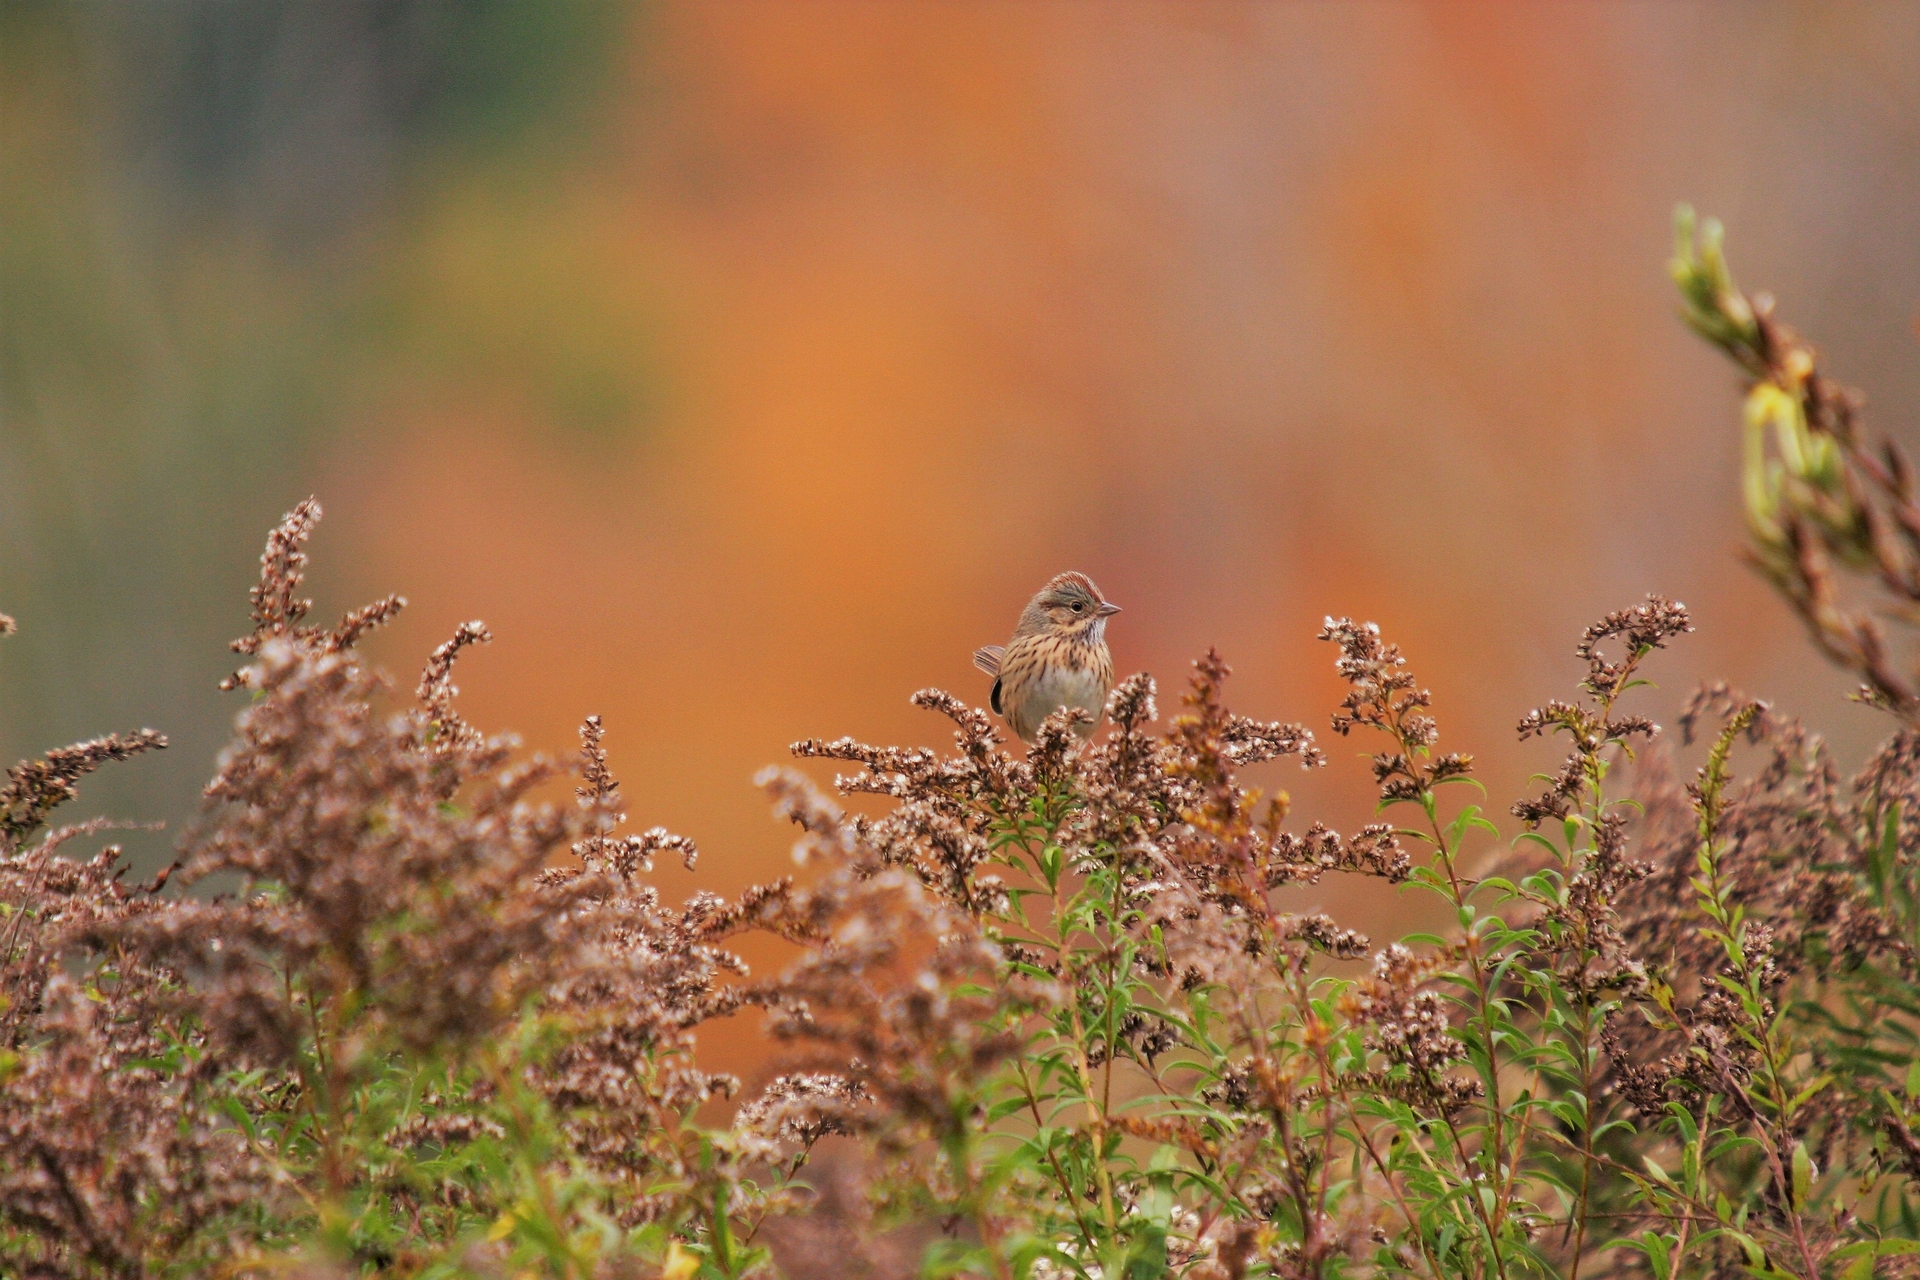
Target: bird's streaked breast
{"type": "Point", "coordinates": [1055, 687]}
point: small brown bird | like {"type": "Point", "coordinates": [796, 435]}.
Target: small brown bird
{"type": "Point", "coordinates": [1057, 658]}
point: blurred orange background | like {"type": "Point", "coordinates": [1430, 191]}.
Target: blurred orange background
{"type": "Point", "coordinates": [745, 366]}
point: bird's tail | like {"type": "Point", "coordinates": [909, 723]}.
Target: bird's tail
{"type": "Point", "coordinates": [987, 658]}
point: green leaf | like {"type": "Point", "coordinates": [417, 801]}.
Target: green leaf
{"type": "Point", "coordinates": [1815, 1086]}
{"type": "Point", "coordinates": [1534, 837]}
{"type": "Point", "coordinates": [1885, 855]}
{"type": "Point", "coordinates": [1756, 1256]}
{"type": "Point", "coordinates": [1051, 858]}
{"type": "Point", "coordinates": [1802, 1174]}
{"type": "Point", "coordinates": [1659, 1254]}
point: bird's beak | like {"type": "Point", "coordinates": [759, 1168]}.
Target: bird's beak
{"type": "Point", "coordinates": [1106, 610]}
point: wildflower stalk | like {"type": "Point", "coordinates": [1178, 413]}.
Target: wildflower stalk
{"type": "Point", "coordinates": [1386, 698]}
{"type": "Point", "coordinates": [1826, 492]}
{"type": "Point", "coordinates": [1050, 861]}
{"type": "Point", "coordinates": [1746, 962]}
{"type": "Point", "coordinates": [1577, 952]}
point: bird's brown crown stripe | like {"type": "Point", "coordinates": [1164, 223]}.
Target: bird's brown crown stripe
{"type": "Point", "coordinates": [1079, 578]}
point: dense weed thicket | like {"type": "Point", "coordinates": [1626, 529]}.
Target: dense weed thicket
{"type": "Point", "coordinates": [1047, 1020]}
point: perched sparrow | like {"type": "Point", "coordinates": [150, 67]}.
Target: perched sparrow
{"type": "Point", "coordinates": [1057, 657]}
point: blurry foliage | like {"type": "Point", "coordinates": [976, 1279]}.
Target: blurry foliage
{"type": "Point", "coordinates": [224, 230]}
{"type": "Point", "coordinates": [1820, 490]}
{"type": "Point", "coordinates": [217, 87]}
{"type": "Point", "coordinates": [1047, 1005]}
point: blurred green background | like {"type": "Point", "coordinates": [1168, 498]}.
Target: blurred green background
{"type": "Point", "coordinates": [211, 218]}
{"type": "Point", "coordinates": [746, 366]}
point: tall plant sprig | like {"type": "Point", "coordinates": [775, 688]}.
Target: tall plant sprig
{"type": "Point", "coordinates": [1082, 939]}
{"type": "Point", "coordinates": [1818, 487]}
{"type": "Point", "coordinates": [1576, 966]}
{"type": "Point", "coordinates": [1115, 873]}
{"type": "Point", "coordinates": [1534, 995]}
{"type": "Point", "coordinates": [1275, 1038]}
{"type": "Point", "coordinates": [1833, 512]}
{"type": "Point", "coordinates": [1745, 1174]}
{"type": "Point", "coordinates": [1464, 1139]}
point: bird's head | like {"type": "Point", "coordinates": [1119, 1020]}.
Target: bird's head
{"type": "Point", "coordinates": [1069, 605]}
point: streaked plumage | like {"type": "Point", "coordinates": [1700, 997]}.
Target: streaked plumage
{"type": "Point", "coordinates": [1057, 658]}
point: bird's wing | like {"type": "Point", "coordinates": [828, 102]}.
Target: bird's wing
{"type": "Point", "coordinates": [987, 658]}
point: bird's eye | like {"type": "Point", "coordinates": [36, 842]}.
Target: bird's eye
{"type": "Point", "coordinates": [1079, 607]}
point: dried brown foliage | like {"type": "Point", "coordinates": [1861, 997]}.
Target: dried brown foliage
{"type": "Point", "coordinates": [402, 1008]}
